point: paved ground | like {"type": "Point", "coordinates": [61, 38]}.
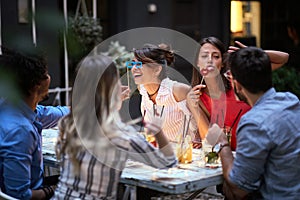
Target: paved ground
{"type": "Point", "coordinates": [209, 193]}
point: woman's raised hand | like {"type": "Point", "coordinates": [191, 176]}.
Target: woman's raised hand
{"type": "Point", "coordinates": [193, 96]}
{"type": "Point", "coordinates": [125, 92]}
{"type": "Point", "coordinates": [233, 48]}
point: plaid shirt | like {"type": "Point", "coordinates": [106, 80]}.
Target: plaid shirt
{"type": "Point", "coordinates": [99, 180]}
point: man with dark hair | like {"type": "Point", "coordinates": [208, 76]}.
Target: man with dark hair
{"type": "Point", "coordinates": [266, 165]}
{"type": "Point", "coordinates": [21, 123]}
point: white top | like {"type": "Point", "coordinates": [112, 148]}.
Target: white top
{"type": "Point", "coordinates": [173, 111]}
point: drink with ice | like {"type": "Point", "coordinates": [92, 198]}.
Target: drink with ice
{"type": "Point", "coordinates": [184, 149]}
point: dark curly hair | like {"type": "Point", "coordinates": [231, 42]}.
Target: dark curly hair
{"type": "Point", "coordinates": [27, 70]}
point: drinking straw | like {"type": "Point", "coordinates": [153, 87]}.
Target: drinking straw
{"type": "Point", "coordinates": [202, 80]}
{"type": "Point", "coordinates": [187, 128]}
{"type": "Point", "coordinates": [184, 121]}
{"type": "Point", "coordinates": [182, 139]}
{"type": "Point", "coordinates": [134, 121]}
{"type": "Point", "coordinates": [223, 118]}
{"type": "Point", "coordinates": [143, 121]}
{"type": "Point", "coordinates": [162, 110]}
{"type": "Point", "coordinates": [235, 120]}
{"type": "Point", "coordinates": [184, 132]}
{"type": "Point", "coordinates": [128, 80]}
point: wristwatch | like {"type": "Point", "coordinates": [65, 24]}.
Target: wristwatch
{"type": "Point", "coordinates": [218, 147]}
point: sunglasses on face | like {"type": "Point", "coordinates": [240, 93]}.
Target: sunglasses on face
{"type": "Point", "coordinates": [131, 64]}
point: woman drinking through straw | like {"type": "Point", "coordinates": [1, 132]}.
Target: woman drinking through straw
{"type": "Point", "coordinates": [213, 99]}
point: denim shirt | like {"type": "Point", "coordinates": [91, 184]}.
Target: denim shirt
{"type": "Point", "coordinates": [268, 147]}
{"type": "Point", "coordinates": [21, 162]}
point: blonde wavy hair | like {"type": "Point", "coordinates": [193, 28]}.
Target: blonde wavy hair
{"type": "Point", "coordinates": [82, 129]}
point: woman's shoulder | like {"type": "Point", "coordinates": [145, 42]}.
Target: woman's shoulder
{"type": "Point", "coordinates": [181, 87]}
{"type": "Point", "coordinates": [180, 90]}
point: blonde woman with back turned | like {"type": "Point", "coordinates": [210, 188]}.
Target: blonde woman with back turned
{"type": "Point", "coordinates": [94, 143]}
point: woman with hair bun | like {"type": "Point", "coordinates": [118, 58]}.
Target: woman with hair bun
{"type": "Point", "coordinates": [161, 95]}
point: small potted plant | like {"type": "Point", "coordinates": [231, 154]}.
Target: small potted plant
{"type": "Point", "coordinates": [84, 33]}
{"type": "Point", "coordinates": [286, 78]}
{"type": "Point", "coordinates": [119, 55]}
{"type": "Point", "coordinates": [86, 30]}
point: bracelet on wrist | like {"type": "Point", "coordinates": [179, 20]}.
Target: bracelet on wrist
{"type": "Point", "coordinates": [49, 192]}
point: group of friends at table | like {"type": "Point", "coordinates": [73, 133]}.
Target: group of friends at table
{"type": "Point", "coordinates": [230, 88]}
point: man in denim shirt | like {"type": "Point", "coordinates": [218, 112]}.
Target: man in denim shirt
{"type": "Point", "coordinates": [267, 159]}
{"type": "Point", "coordinates": [21, 123]}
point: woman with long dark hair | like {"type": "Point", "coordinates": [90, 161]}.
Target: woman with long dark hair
{"type": "Point", "coordinates": [213, 98]}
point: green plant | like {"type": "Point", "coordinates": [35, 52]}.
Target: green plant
{"type": "Point", "coordinates": [119, 55]}
{"type": "Point", "coordinates": [287, 78]}
{"type": "Point", "coordinates": [87, 30]}
{"type": "Point", "coordinates": [84, 33]}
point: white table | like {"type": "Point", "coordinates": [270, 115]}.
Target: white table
{"type": "Point", "coordinates": [184, 178]}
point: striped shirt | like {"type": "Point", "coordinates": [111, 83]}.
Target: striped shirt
{"type": "Point", "coordinates": [173, 111]}
{"type": "Point", "coordinates": [98, 179]}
